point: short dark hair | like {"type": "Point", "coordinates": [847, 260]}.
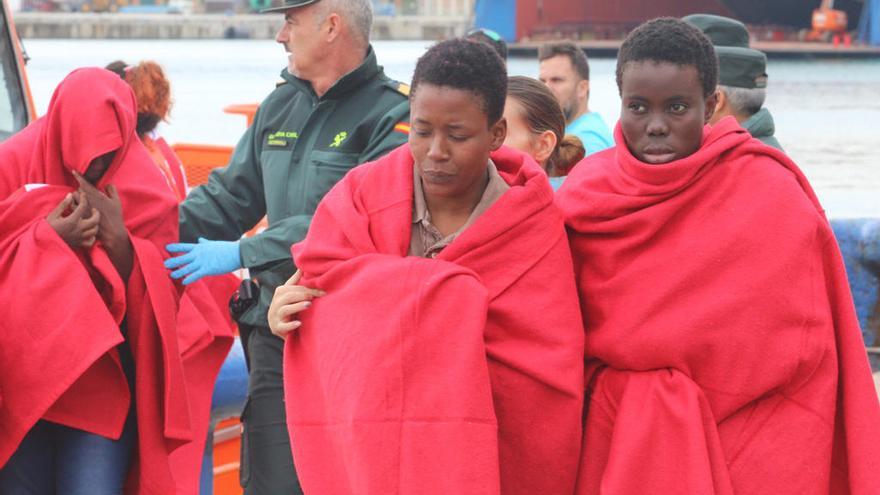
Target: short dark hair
{"type": "Point", "coordinates": [671, 40]}
{"type": "Point", "coordinates": [117, 67]}
{"type": "Point", "coordinates": [464, 64]}
{"type": "Point", "coordinates": [577, 57]}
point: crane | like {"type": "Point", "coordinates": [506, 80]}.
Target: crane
{"type": "Point", "coordinates": [828, 23]}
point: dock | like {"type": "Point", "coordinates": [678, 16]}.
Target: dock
{"type": "Point", "coordinates": [212, 26]}
{"type": "Point", "coordinates": [264, 26]}
{"type": "Point", "coordinates": [773, 49]}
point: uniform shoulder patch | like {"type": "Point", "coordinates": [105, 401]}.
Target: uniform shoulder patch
{"type": "Point", "coordinates": [402, 88]}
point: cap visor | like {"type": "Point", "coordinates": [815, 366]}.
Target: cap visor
{"type": "Point", "coordinates": [283, 8]}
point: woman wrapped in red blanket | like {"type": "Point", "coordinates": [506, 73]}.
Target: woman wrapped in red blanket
{"type": "Point", "coordinates": [724, 355]}
{"type": "Point", "coordinates": [446, 355]}
{"type": "Point", "coordinates": [89, 359]}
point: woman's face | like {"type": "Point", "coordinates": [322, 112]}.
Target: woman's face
{"type": "Point", "coordinates": [451, 139]}
{"type": "Point", "coordinates": [663, 110]}
{"type": "Point", "coordinates": [98, 167]}
{"type": "Point", "coordinates": [519, 134]}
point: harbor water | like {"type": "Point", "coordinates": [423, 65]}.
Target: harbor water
{"type": "Point", "coordinates": [827, 112]}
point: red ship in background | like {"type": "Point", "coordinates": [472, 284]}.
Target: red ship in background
{"type": "Point", "coordinates": [523, 20]}
{"type": "Point", "coordinates": [792, 13]}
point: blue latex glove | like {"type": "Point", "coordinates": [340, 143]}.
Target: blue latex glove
{"type": "Point", "coordinates": [203, 259]}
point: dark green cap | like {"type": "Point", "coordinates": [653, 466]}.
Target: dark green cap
{"type": "Point", "coordinates": [738, 65]}
{"type": "Point", "coordinates": [288, 4]}
{"type": "Point", "coordinates": [722, 31]}
{"type": "Point", "coordinates": [741, 67]}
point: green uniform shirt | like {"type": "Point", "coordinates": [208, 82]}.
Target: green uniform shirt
{"type": "Point", "coordinates": [298, 147]}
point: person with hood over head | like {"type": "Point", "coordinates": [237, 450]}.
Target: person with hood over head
{"type": "Point", "coordinates": [93, 396]}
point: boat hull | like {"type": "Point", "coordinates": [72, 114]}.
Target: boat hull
{"type": "Point", "coordinates": [521, 20]}
{"type": "Point", "coordinates": [790, 13]}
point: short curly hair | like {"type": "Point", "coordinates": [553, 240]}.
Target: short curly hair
{"type": "Point", "coordinates": [671, 40]}
{"type": "Point", "coordinates": [465, 64]}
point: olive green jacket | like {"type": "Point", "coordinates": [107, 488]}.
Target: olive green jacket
{"type": "Point", "coordinates": [297, 148]}
{"type": "Point", "coordinates": [762, 127]}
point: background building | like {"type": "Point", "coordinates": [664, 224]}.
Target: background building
{"type": "Point", "coordinates": [441, 8]}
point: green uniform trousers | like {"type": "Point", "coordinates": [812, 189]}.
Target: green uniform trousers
{"type": "Point", "coordinates": [266, 458]}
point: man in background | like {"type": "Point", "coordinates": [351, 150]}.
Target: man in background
{"type": "Point", "coordinates": [566, 71]}
{"type": "Point", "coordinates": [742, 81]}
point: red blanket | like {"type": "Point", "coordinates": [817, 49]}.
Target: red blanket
{"type": "Point", "coordinates": [461, 374]}
{"type": "Point", "coordinates": [205, 330]}
{"type": "Point", "coordinates": [54, 298]}
{"type": "Point", "coordinates": [724, 355]}
{"type": "Point", "coordinates": [74, 300]}
{"type": "Point", "coordinates": [206, 334]}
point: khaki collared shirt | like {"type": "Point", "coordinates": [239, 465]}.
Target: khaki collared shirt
{"type": "Point", "coordinates": [425, 240]}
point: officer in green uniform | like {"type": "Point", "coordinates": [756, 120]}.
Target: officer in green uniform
{"type": "Point", "coordinates": [334, 110]}
{"type": "Point", "coordinates": [742, 81]}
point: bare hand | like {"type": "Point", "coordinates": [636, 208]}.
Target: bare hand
{"type": "Point", "coordinates": [79, 228]}
{"type": "Point", "coordinates": [112, 226]}
{"type": "Point", "coordinates": [290, 299]}
{"type": "Point", "coordinates": [111, 230]}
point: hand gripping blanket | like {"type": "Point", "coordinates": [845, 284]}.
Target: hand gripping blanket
{"type": "Point", "coordinates": [724, 354]}
{"type": "Point", "coordinates": [61, 321]}
{"type": "Point", "coordinates": [460, 374]}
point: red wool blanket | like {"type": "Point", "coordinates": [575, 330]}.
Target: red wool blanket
{"type": "Point", "coordinates": [57, 348]}
{"type": "Point", "coordinates": [57, 308]}
{"type": "Point", "coordinates": [205, 331]}
{"type": "Point", "coordinates": [461, 374]}
{"type": "Point", "coordinates": [724, 354]}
